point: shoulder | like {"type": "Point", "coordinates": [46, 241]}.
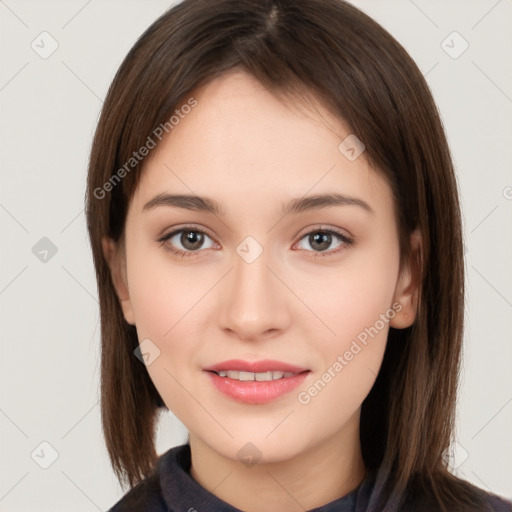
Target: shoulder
{"type": "Point", "coordinates": [146, 496]}
{"type": "Point", "coordinates": [488, 502]}
{"type": "Point", "coordinates": [477, 500]}
{"type": "Point", "coordinates": [497, 503]}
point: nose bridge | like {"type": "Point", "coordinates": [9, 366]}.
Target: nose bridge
{"type": "Point", "coordinates": [254, 303]}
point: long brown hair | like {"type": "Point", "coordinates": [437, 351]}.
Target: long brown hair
{"type": "Point", "coordinates": [347, 60]}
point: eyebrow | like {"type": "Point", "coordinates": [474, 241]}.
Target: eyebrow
{"type": "Point", "coordinates": [296, 205]}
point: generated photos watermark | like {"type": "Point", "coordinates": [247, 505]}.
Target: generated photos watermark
{"type": "Point", "coordinates": [158, 133]}
{"type": "Point", "coordinates": [357, 345]}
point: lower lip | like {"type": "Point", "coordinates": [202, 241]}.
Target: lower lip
{"type": "Point", "coordinates": [256, 392]}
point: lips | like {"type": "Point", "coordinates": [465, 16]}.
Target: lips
{"type": "Point", "coordinates": [255, 382]}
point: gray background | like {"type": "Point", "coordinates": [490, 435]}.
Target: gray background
{"type": "Point", "coordinates": [49, 310]}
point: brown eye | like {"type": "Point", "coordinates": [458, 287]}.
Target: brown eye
{"type": "Point", "coordinates": [321, 241]}
{"type": "Point", "coordinates": [186, 241]}
{"type": "Point", "coordinates": [192, 240]}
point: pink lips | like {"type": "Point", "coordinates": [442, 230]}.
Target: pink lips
{"type": "Point", "coordinates": [256, 392]}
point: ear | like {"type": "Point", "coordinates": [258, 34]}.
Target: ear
{"type": "Point", "coordinates": [408, 286]}
{"type": "Point", "coordinates": [114, 256]}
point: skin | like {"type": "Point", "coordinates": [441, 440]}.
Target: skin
{"type": "Point", "coordinates": [250, 151]}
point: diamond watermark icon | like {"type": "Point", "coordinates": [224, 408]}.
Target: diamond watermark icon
{"type": "Point", "coordinates": [44, 45]}
{"type": "Point", "coordinates": [455, 455]}
{"type": "Point", "coordinates": [249, 454]}
{"type": "Point", "coordinates": [44, 455]}
{"type": "Point", "coordinates": [147, 352]}
{"type": "Point", "coordinates": [454, 45]}
{"type": "Point", "coordinates": [44, 250]}
{"type": "Point", "coordinates": [351, 147]}
{"type": "Point", "coordinates": [249, 249]}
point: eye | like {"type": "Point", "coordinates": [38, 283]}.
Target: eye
{"type": "Point", "coordinates": [187, 240]}
{"type": "Point", "coordinates": [322, 239]}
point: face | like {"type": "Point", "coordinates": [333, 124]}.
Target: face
{"type": "Point", "coordinates": [273, 274]}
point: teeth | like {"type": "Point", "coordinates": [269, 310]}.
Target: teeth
{"type": "Point", "coordinates": [244, 375]}
{"type": "Point", "coordinates": [248, 376]}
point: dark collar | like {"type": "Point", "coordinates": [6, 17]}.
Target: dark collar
{"type": "Point", "coordinates": [182, 493]}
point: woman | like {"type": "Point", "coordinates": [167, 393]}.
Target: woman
{"type": "Point", "coordinates": [276, 232]}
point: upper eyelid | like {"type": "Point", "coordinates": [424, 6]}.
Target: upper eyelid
{"type": "Point", "coordinates": [323, 227]}
{"type": "Point", "coordinates": [179, 229]}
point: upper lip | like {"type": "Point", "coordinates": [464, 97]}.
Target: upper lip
{"type": "Point", "coordinates": [266, 365]}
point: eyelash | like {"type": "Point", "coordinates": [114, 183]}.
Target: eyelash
{"type": "Point", "coordinates": [347, 242]}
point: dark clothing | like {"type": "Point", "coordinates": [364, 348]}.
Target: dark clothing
{"type": "Point", "coordinates": [172, 489]}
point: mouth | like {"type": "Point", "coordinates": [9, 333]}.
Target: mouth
{"type": "Point", "coordinates": [260, 376]}
{"type": "Point", "coordinates": [255, 382]}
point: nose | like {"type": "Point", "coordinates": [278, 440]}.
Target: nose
{"type": "Point", "coordinates": [254, 304]}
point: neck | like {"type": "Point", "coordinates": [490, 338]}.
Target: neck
{"type": "Point", "coordinates": [318, 475]}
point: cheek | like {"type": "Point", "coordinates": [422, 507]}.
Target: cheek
{"type": "Point", "coordinates": [355, 306]}
{"type": "Point", "coordinates": [161, 292]}
{"type": "Point", "coordinates": [163, 298]}
{"type": "Point", "coordinates": [353, 296]}
{"type": "Point", "coordinates": [171, 305]}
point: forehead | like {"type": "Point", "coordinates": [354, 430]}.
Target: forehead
{"type": "Point", "coordinates": [242, 145]}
